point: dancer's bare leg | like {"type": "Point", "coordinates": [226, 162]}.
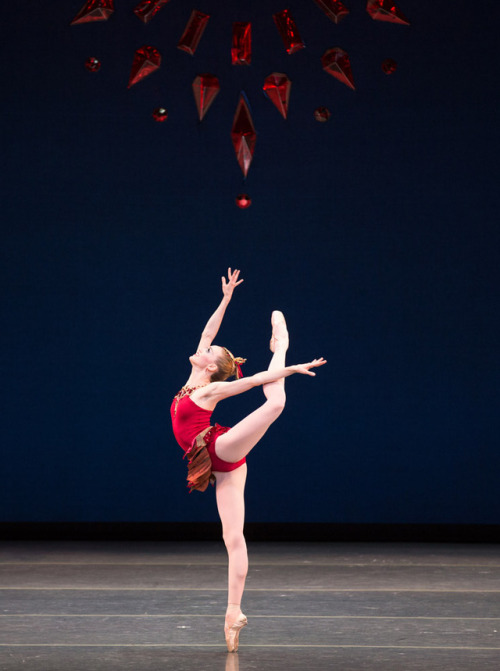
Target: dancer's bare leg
{"type": "Point", "coordinates": [230, 489]}
{"type": "Point", "coordinates": [243, 436]}
{"type": "Point", "coordinates": [233, 446]}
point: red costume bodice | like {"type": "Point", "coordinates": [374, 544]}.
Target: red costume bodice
{"type": "Point", "coordinates": [188, 420]}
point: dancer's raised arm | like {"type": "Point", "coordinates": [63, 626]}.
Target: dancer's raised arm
{"type": "Point", "coordinates": [216, 391]}
{"type": "Point", "coordinates": [212, 326]}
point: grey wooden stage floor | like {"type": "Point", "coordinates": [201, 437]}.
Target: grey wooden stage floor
{"type": "Point", "coordinates": [149, 606]}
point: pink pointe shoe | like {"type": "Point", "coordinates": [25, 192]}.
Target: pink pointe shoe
{"type": "Point", "coordinates": [232, 633]}
{"type": "Point", "coordinates": [280, 332]}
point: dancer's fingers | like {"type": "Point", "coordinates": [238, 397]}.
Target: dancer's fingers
{"type": "Point", "coordinates": [319, 362]}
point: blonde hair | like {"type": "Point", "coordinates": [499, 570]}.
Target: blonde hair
{"type": "Point", "coordinates": [227, 365]}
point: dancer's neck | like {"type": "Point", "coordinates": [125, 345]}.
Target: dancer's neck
{"type": "Point", "coordinates": [197, 381]}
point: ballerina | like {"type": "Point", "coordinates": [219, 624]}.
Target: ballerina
{"type": "Point", "coordinates": [217, 453]}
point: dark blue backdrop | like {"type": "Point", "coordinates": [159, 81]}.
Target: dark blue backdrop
{"type": "Point", "coordinates": [376, 233]}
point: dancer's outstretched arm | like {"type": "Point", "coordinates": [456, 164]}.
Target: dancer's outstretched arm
{"type": "Point", "coordinates": [212, 326]}
{"type": "Point", "coordinates": [216, 391]}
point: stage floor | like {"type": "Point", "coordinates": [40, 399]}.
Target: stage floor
{"type": "Point", "coordinates": [160, 606]}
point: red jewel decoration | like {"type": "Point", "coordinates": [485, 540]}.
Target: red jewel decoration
{"type": "Point", "coordinates": [334, 9]}
{"type": "Point", "coordinates": [277, 88]}
{"type": "Point", "coordinates": [336, 62]}
{"type": "Point", "coordinates": [147, 9]}
{"type": "Point", "coordinates": [243, 135]}
{"type": "Point", "coordinates": [389, 66]}
{"type": "Point", "coordinates": [193, 32]}
{"type": "Point", "coordinates": [205, 89]}
{"type": "Point", "coordinates": [385, 10]}
{"type": "Point", "coordinates": [94, 10]}
{"type": "Point", "coordinates": [92, 64]}
{"type": "Point", "coordinates": [288, 31]}
{"type": "Point", "coordinates": [160, 114]}
{"type": "Point", "coordinates": [241, 49]}
{"type": "Point", "coordinates": [146, 60]}
{"type": "Point", "coordinates": [243, 201]}
{"type": "Point", "coordinates": [322, 114]}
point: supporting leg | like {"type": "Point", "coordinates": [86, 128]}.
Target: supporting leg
{"type": "Point", "coordinates": [230, 489]}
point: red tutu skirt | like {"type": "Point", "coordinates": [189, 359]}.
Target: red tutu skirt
{"type": "Point", "coordinates": [200, 464]}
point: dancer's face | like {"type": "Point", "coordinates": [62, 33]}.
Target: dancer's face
{"type": "Point", "coordinates": [206, 357]}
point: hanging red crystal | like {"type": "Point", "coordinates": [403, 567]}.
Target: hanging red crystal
{"type": "Point", "coordinates": [243, 201]}
{"type": "Point", "coordinates": [336, 62]}
{"type": "Point", "coordinates": [334, 9]}
{"type": "Point", "coordinates": [147, 9]}
{"type": "Point", "coordinates": [322, 114]}
{"type": "Point", "coordinates": [94, 10]}
{"type": "Point", "coordinates": [389, 66]}
{"type": "Point", "coordinates": [205, 89]}
{"type": "Point", "coordinates": [193, 32]}
{"type": "Point", "coordinates": [288, 30]}
{"type": "Point", "coordinates": [93, 64]}
{"type": "Point", "coordinates": [146, 60]}
{"type": "Point", "coordinates": [243, 135]}
{"type": "Point", "coordinates": [277, 88]}
{"type": "Point", "coordinates": [160, 114]}
{"type": "Point", "coordinates": [241, 48]}
{"type": "Point", "coordinates": [386, 10]}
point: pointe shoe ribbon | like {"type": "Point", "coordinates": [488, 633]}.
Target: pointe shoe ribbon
{"type": "Point", "coordinates": [232, 633]}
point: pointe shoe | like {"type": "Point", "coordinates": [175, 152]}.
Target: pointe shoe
{"type": "Point", "coordinates": [232, 633]}
{"type": "Point", "coordinates": [280, 332]}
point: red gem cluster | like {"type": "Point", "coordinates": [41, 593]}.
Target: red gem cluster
{"type": "Point", "coordinates": [93, 64]}
{"type": "Point", "coordinates": [277, 85]}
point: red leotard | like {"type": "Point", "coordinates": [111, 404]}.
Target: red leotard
{"type": "Point", "coordinates": [188, 420]}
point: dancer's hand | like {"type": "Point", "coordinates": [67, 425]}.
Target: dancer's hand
{"type": "Point", "coordinates": [304, 368]}
{"type": "Point", "coordinates": [232, 282]}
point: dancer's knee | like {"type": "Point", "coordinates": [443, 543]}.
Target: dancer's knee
{"type": "Point", "coordinates": [276, 404]}
{"type": "Point", "coordinates": [233, 540]}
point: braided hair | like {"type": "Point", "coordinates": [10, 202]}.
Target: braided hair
{"type": "Point", "coordinates": [227, 366]}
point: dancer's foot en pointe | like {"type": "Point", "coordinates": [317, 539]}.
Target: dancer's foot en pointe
{"type": "Point", "coordinates": [279, 337]}
{"type": "Point", "coordinates": [232, 632]}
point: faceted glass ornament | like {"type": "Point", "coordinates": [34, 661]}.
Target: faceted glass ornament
{"type": "Point", "coordinates": [322, 114]}
{"type": "Point", "coordinates": [336, 62]}
{"type": "Point", "coordinates": [334, 9]}
{"type": "Point", "coordinates": [241, 48]}
{"type": "Point", "coordinates": [389, 66]}
{"type": "Point", "coordinates": [193, 32]}
{"type": "Point", "coordinates": [93, 64]}
{"type": "Point", "coordinates": [160, 114]}
{"type": "Point", "coordinates": [386, 10]}
{"type": "Point", "coordinates": [277, 88]}
{"type": "Point", "coordinates": [288, 30]}
{"type": "Point", "coordinates": [243, 201]}
{"type": "Point", "coordinates": [243, 135]}
{"type": "Point", "coordinates": [205, 89]}
{"type": "Point", "coordinates": [146, 60]}
{"type": "Point", "coordinates": [147, 9]}
{"type": "Point", "coordinates": [94, 10]}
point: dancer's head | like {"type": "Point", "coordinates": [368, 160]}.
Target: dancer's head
{"type": "Point", "coordinates": [227, 365]}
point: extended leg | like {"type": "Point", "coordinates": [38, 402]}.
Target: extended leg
{"type": "Point", "coordinates": [243, 436]}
